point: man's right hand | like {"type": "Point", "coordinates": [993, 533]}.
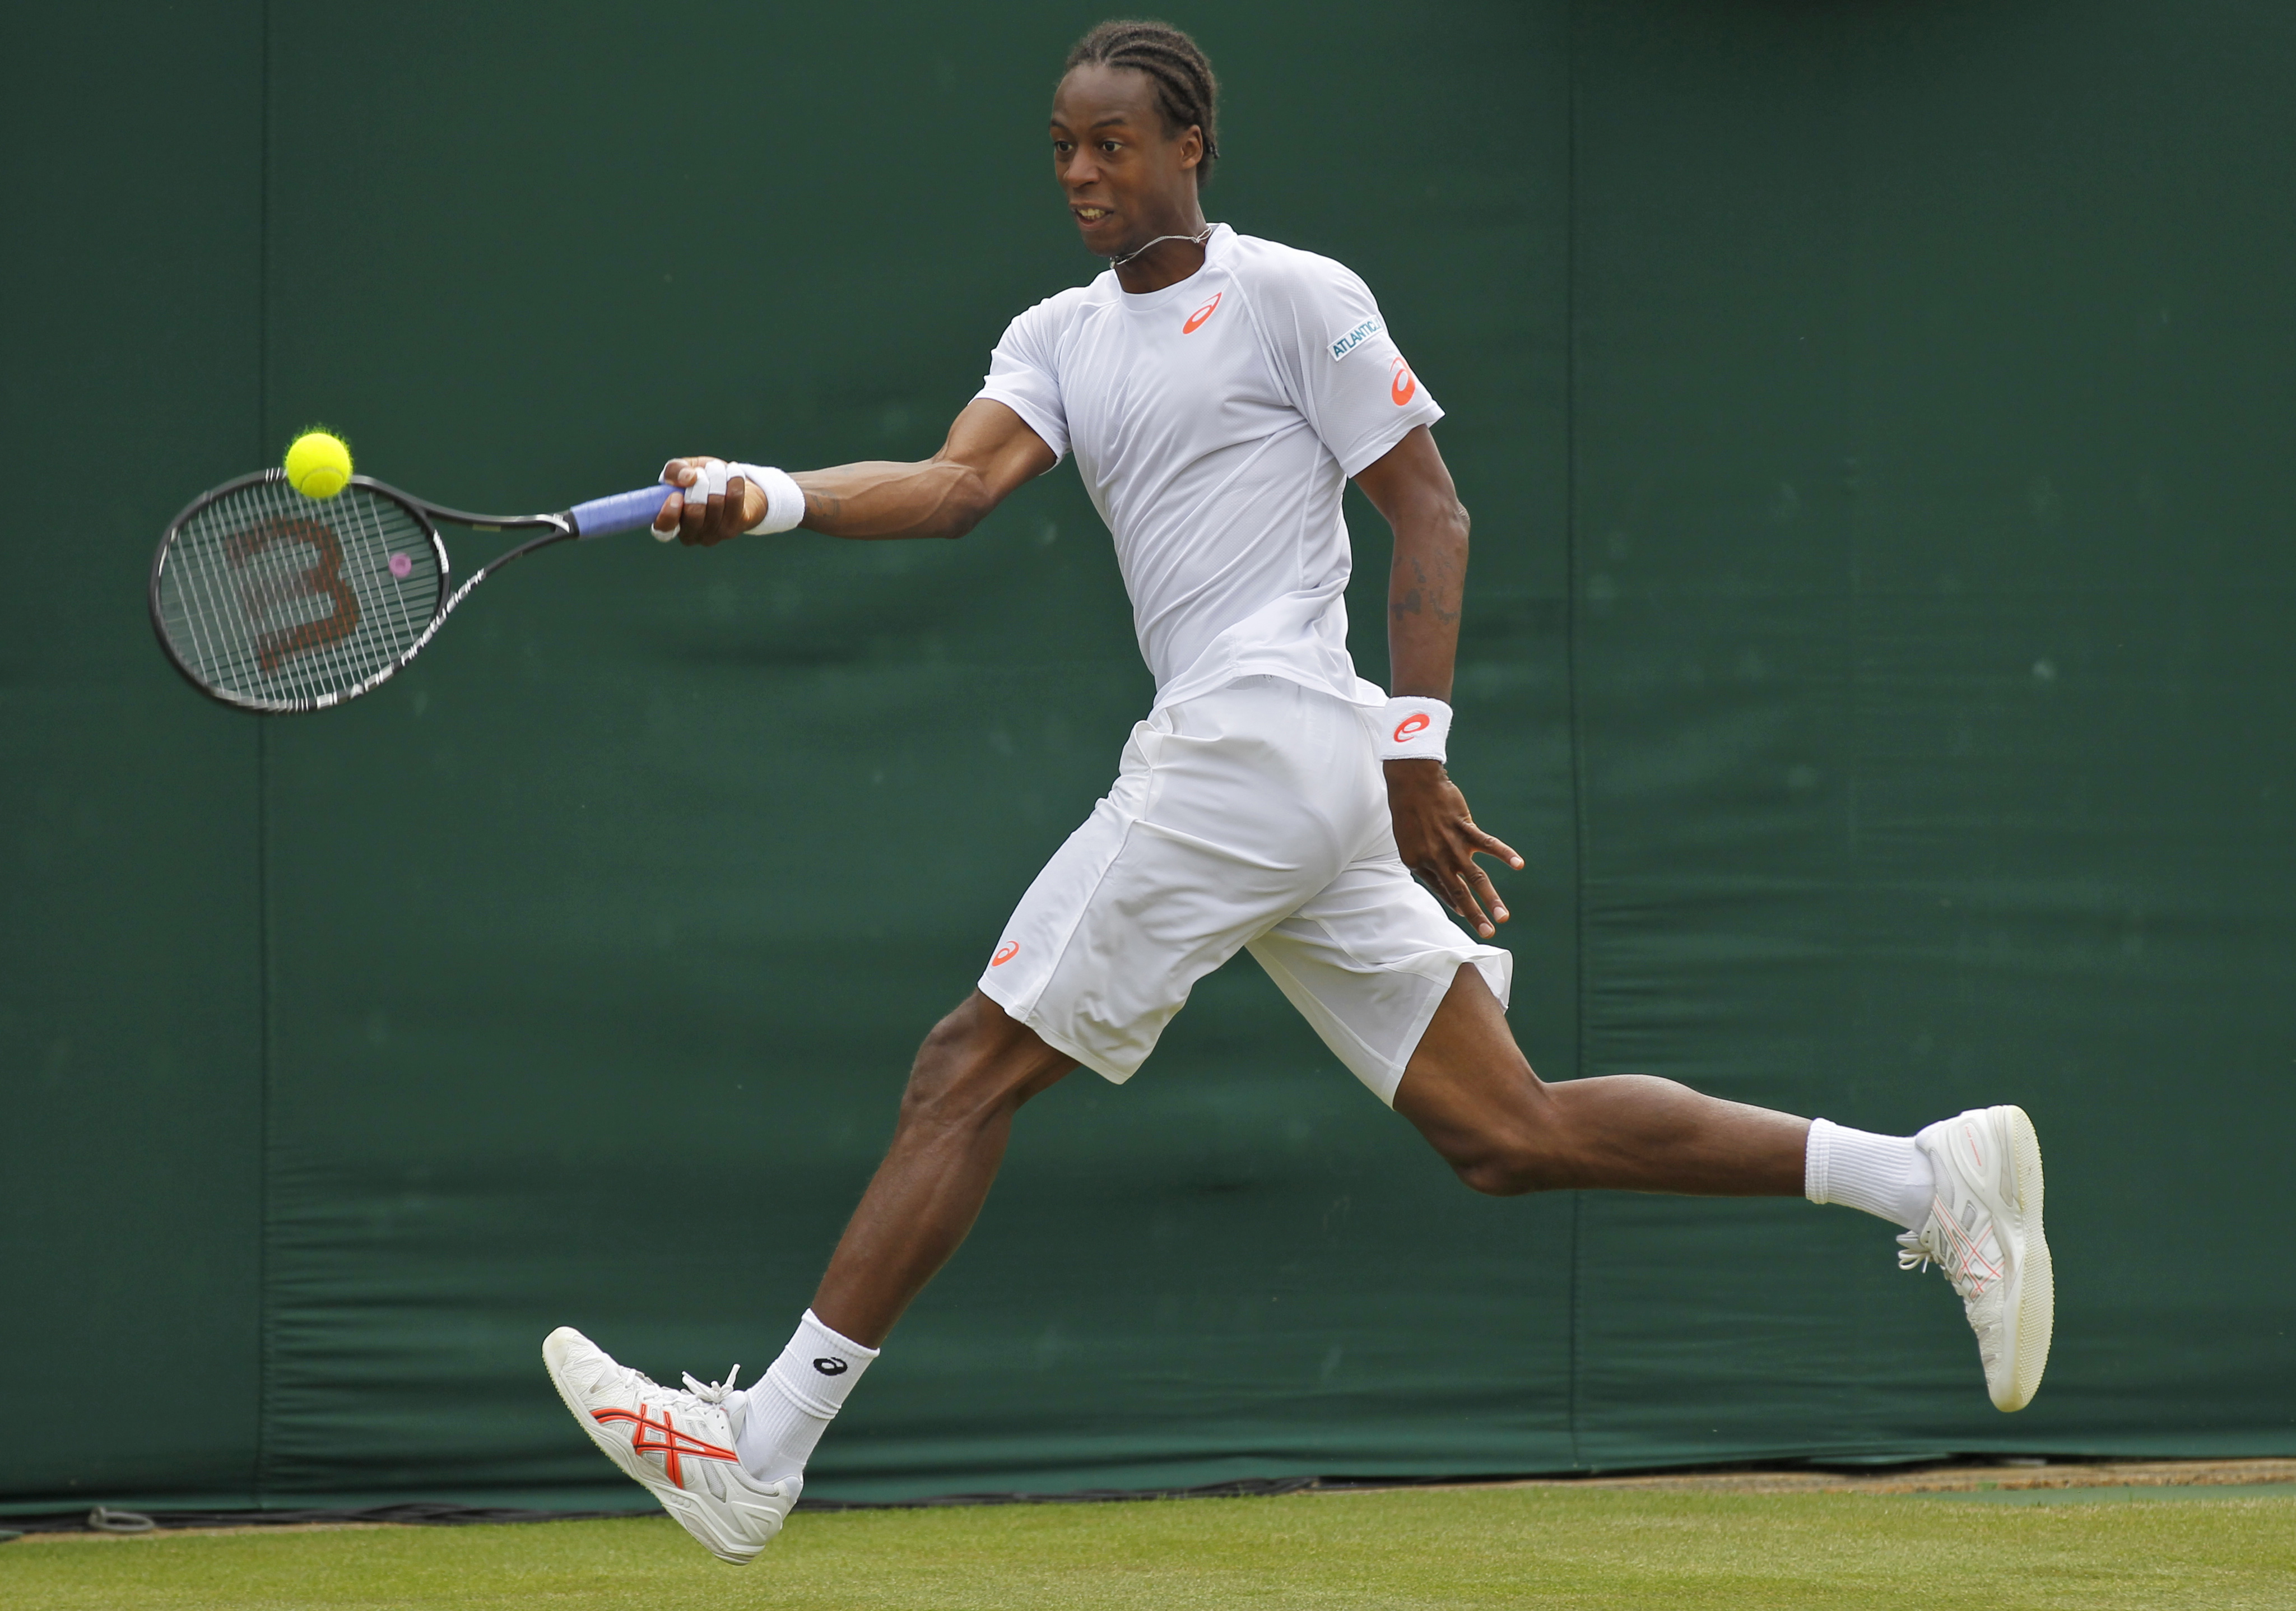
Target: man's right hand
{"type": "Point", "coordinates": [990, 450]}
{"type": "Point", "coordinates": [699, 522]}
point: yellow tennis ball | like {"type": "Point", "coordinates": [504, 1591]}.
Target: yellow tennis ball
{"type": "Point", "coordinates": [318, 464]}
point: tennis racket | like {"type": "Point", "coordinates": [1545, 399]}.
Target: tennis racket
{"type": "Point", "coordinates": [271, 601]}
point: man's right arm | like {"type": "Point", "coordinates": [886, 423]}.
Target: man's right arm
{"type": "Point", "coordinates": [989, 452]}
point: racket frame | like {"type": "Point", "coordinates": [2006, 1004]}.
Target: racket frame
{"type": "Point", "coordinates": [556, 529]}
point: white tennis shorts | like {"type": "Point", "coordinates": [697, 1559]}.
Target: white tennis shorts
{"type": "Point", "coordinates": [1251, 816]}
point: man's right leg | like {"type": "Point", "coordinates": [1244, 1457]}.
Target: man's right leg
{"type": "Point", "coordinates": [972, 1075]}
{"type": "Point", "coordinates": [1212, 830]}
{"type": "Point", "coordinates": [974, 1071]}
{"type": "Point", "coordinates": [729, 1465]}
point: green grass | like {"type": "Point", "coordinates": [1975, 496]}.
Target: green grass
{"type": "Point", "coordinates": [1536, 1547]}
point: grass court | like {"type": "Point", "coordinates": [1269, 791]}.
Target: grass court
{"type": "Point", "coordinates": [1580, 1547]}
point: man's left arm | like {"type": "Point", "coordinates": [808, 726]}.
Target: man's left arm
{"type": "Point", "coordinates": [1434, 831]}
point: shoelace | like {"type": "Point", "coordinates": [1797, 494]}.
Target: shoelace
{"type": "Point", "coordinates": [712, 1393]}
{"type": "Point", "coordinates": [708, 1393]}
{"type": "Point", "coordinates": [1918, 1250]}
{"type": "Point", "coordinates": [1915, 1251]}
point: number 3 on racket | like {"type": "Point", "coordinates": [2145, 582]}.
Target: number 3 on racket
{"type": "Point", "coordinates": [271, 601]}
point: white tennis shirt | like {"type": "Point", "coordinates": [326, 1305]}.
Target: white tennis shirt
{"type": "Point", "coordinates": [1215, 423]}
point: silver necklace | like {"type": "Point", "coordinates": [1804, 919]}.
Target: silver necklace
{"type": "Point", "coordinates": [1199, 238]}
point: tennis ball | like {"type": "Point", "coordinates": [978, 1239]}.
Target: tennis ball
{"type": "Point", "coordinates": [318, 464]}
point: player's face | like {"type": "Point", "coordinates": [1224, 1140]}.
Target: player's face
{"type": "Point", "coordinates": [1128, 178]}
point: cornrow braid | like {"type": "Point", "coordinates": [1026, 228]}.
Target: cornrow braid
{"type": "Point", "coordinates": [1186, 93]}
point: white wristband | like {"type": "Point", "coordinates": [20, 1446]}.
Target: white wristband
{"type": "Point", "coordinates": [1412, 729]}
{"type": "Point", "coordinates": [784, 503]}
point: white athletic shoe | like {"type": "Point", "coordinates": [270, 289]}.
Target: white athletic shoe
{"type": "Point", "coordinates": [679, 1444]}
{"type": "Point", "coordinates": [1984, 1231]}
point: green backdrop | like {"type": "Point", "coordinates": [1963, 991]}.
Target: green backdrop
{"type": "Point", "coordinates": [1878, 423]}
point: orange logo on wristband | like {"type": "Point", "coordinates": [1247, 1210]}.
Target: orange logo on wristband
{"type": "Point", "coordinates": [1411, 727]}
{"type": "Point", "coordinates": [1196, 319]}
{"type": "Point", "coordinates": [1005, 953]}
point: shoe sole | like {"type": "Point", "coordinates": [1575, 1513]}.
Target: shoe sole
{"type": "Point", "coordinates": [673, 1498]}
{"type": "Point", "coordinates": [2034, 1314]}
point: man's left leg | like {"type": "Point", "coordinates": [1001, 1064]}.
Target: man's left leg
{"type": "Point", "coordinates": [1967, 1189]}
{"type": "Point", "coordinates": [1472, 1094]}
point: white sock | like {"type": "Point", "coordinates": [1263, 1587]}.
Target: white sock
{"type": "Point", "coordinates": [1886, 1176]}
{"type": "Point", "coordinates": [791, 1405]}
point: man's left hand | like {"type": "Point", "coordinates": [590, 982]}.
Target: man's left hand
{"type": "Point", "coordinates": [1438, 840]}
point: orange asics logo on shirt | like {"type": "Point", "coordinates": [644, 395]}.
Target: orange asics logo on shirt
{"type": "Point", "coordinates": [1196, 319]}
{"type": "Point", "coordinates": [1411, 727]}
{"type": "Point", "coordinates": [1005, 953]}
{"type": "Point", "coordinates": [1404, 384]}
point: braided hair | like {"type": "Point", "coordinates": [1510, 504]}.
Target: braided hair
{"type": "Point", "coordinates": [1186, 93]}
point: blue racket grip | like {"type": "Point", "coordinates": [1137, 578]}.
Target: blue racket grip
{"type": "Point", "coordinates": [623, 512]}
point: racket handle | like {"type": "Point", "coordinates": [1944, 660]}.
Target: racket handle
{"type": "Point", "coordinates": [623, 512]}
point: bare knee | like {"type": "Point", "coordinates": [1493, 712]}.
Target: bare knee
{"type": "Point", "coordinates": [956, 1074]}
{"type": "Point", "coordinates": [1499, 1129]}
{"type": "Point", "coordinates": [1512, 1149]}
{"type": "Point", "coordinates": [976, 1063]}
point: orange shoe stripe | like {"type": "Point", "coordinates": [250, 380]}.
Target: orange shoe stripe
{"type": "Point", "coordinates": [670, 1447]}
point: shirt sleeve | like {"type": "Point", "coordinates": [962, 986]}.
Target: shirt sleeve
{"type": "Point", "coordinates": [1331, 348]}
{"type": "Point", "coordinates": [1024, 374]}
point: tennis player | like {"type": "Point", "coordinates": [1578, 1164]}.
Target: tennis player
{"type": "Point", "coordinates": [1218, 391]}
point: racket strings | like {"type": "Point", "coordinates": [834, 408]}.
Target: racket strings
{"type": "Point", "coordinates": [286, 602]}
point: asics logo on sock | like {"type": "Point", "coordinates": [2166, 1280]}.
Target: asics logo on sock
{"type": "Point", "coordinates": [831, 1366]}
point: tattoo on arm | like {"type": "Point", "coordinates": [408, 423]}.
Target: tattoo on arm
{"type": "Point", "coordinates": [1415, 600]}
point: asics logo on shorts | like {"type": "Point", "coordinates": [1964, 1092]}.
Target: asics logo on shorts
{"type": "Point", "coordinates": [1404, 386]}
{"type": "Point", "coordinates": [1411, 727]}
{"type": "Point", "coordinates": [1196, 319]}
{"type": "Point", "coordinates": [833, 1365]}
{"type": "Point", "coordinates": [1005, 953]}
